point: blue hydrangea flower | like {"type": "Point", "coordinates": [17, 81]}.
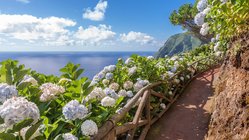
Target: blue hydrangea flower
{"type": "Point", "coordinates": [109, 76]}
{"type": "Point", "coordinates": [74, 110]}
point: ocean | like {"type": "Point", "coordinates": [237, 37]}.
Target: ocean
{"type": "Point", "coordinates": [50, 62]}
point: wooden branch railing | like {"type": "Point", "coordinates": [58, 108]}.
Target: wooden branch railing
{"type": "Point", "coordinates": [110, 130]}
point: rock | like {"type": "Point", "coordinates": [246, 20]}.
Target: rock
{"type": "Point", "coordinates": [230, 115]}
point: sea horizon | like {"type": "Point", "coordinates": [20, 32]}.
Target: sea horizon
{"type": "Point", "coordinates": [49, 62]}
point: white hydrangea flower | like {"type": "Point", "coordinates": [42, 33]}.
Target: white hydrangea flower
{"type": "Point", "coordinates": [216, 47]}
{"type": "Point", "coordinates": [17, 109]}
{"type": "Point", "coordinates": [199, 19]}
{"type": "Point", "coordinates": [114, 86]}
{"type": "Point", "coordinates": [89, 128]}
{"type": "Point", "coordinates": [177, 81]}
{"type": "Point", "coordinates": [29, 79]}
{"type": "Point", "coordinates": [25, 129]}
{"type": "Point", "coordinates": [64, 80]}
{"type": "Point", "coordinates": [217, 37]}
{"type": "Point", "coordinates": [128, 85]}
{"type": "Point", "coordinates": [218, 53]}
{"type": "Point", "coordinates": [101, 75]}
{"type": "Point", "coordinates": [105, 82]}
{"type": "Point", "coordinates": [132, 71]}
{"type": "Point", "coordinates": [201, 5]}
{"type": "Point", "coordinates": [128, 61]}
{"type": "Point", "coordinates": [108, 102]}
{"type": "Point", "coordinates": [108, 91]}
{"type": "Point", "coordinates": [206, 11]}
{"type": "Point", "coordinates": [111, 68]}
{"type": "Point", "coordinates": [50, 91]}
{"type": "Point", "coordinates": [170, 93]}
{"type": "Point", "coordinates": [204, 29]}
{"type": "Point", "coordinates": [122, 93]}
{"type": "Point", "coordinates": [188, 76]}
{"type": "Point", "coordinates": [109, 76]}
{"type": "Point", "coordinates": [174, 58]}
{"type": "Point", "coordinates": [130, 94]}
{"type": "Point", "coordinates": [182, 78]}
{"type": "Point", "coordinates": [137, 86]}
{"type": "Point", "coordinates": [97, 93]}
{"type": "Point", "coordinates": [162, 105]}
{"type": "Point", "coordinates": [106, 69]}
{"type": "Point", "coordinates": [69, 136]}
{"type": "Point", "coordinates": [74, 110]}
{"type": "Point", "coordinates": [143, 82]}
{"type": "Point", "coordinates": [7, 92]}
{"type": "Point", "coordinates": [150, 57]}
{"type": "Point", "coordinates": [213, 40]}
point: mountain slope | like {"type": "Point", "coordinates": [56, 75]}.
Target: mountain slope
{"type": "Point", "coordinates": [178, 43]}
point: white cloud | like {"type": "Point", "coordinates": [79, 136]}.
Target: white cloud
{"type": "Point", "coordinates": [95, 34]}
{"type": "Point", "coordinates": [30, 28]}
{"type": "Point", "coordinates": [137, 37]}
{"type": "Point", "coordinates": [98, 13]}
{"type": "Point", "coordinates": [23, 1]}
{"type": "Point", "coordinates": [27, 32]}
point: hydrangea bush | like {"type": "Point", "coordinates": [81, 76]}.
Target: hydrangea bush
{"type": "Point", "coordinates": [223, 19]}
{"type": "Point", "coordinates": [38, 106]}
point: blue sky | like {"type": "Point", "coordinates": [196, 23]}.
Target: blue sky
{"type": "Point", "coordinates": [86, 25]}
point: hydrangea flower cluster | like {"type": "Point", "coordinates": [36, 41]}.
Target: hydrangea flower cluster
{"type": "Point", "coordinates": [29, 79]}
{"type": "Point", "coordinates": [201, 5]}
{"type": "Point", "coordinates": [97, 93]}
{"type": "Point", "coordinates": [108, 102]}
{"type": "Point", "coordinates": [105, 73]}
{"type": "Point", "coordinates": [132, 71]}
{"type": "Point", "coordinates": [128, 61]}
{"type": "Point", "coordinates": [128, 85]}
{"type": "Point", "coordinates": [7, 92]}
{"type": "Point", "coordinates": [140, 84]}
{"type": "Point", "coordinates": [17, 109]}
{"type": "Point", "coordinates": [199, 20]}
{"type": "Point", "coordinates": [150, 57]}
{"type": "Point", "coordinates": [89, 128]}
{"type": "Point", "coordinates": [114, 86]}
{"type": "Point", "coordinates": [74, 110]}
{"type": "Point", "coordinates": [204, 29]}
{"type": "Point", "coordinates": [50, 91]}
{"type": "Point", "coordinates": [69, 136]}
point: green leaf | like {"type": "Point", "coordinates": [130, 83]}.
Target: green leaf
{"type": "Point", "coordinates": [1, 120]}
{"type": "Point", "coordinates": [17, 127]}
{"type": "Point", "coordinates": [88, 90]}
{"type": "Point", "coordinates": [23, 85]}
{"type": "Point", "coordinates": [78, 73]}
{"type": "Point", "coordinates": [32, 129]}
{"type": "Point", "coordinates": [7, 136]}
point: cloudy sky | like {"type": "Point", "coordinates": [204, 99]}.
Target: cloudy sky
{"type": "Point", "coordinates": [86, 25]}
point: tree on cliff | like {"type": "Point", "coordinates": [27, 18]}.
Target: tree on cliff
{"type": "Point", "coordinates": [184, 17]}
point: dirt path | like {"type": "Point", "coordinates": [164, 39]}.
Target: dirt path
{"type": "Point", "coordinates": [188, 118]}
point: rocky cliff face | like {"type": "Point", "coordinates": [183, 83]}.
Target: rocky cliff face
{"type": "Point", "coordinates": [230, 117]}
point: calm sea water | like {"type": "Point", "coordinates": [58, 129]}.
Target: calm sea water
{"type": "Point", "coordinates": [51, 62]}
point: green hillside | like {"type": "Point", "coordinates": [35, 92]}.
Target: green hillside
{"type": "Point", "coordinates": [178, 43]}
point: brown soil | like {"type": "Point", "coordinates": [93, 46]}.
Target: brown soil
{"type": "Point", "coordinates": [230, 118]}
{"type": "Point", "coordinates": [189, 116]}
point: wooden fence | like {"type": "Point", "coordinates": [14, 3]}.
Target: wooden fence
{"type": "Point", "coordinates": [143, 118]}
